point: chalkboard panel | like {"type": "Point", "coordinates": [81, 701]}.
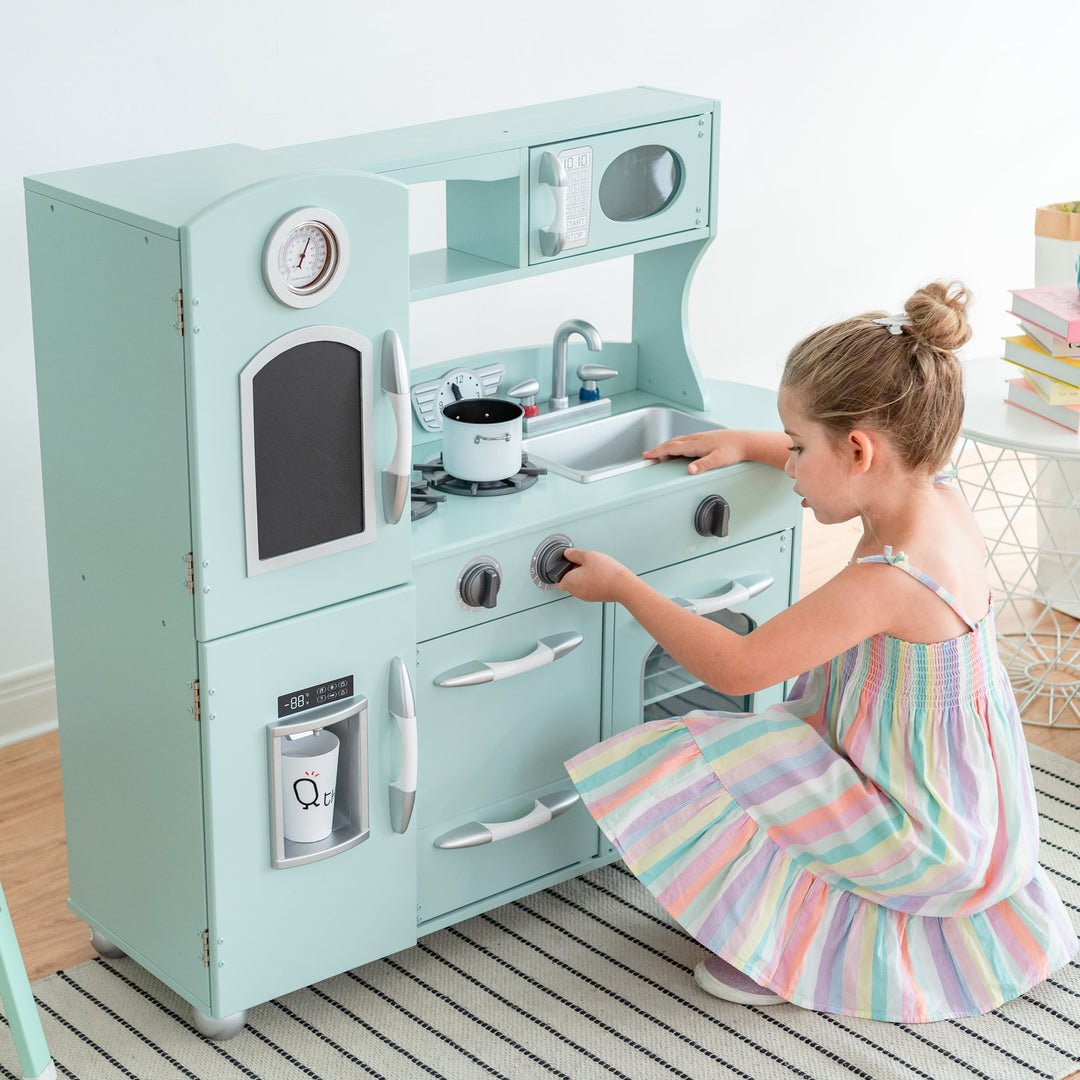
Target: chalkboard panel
{"type": "Point", "coordinates": [309, 447]}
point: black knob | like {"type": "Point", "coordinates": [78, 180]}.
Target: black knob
{"type": "Point", "coordinates": [711, 516]}
{"type": "Point", "coordinates": [550, 566]}
{"type": "Point", "coordinates": [479, 586]}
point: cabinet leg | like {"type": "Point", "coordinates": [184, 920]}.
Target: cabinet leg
{"type": "Point", "coordinates": [104, 946]}
{"type": "Point", "coordinates": [218, 1029]}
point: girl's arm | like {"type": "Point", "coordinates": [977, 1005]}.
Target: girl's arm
{"type": "Point", "coordinates": [713, 449]}
{"type": "Point", "coordinates": [856, 604]}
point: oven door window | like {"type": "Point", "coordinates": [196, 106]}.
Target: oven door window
{"type": "Point", "coordinates": [668, 689]}
{"type": "Point", "coordinates": [639, 183]}
{"type": "Point", "coordinates": [305, 413]}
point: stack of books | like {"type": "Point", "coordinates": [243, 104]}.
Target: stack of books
{"type": "Point", "coordinates": [1048, 353]}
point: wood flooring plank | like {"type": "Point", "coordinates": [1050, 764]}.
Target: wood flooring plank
{"type": "Point", "coordinates": [33, 857]}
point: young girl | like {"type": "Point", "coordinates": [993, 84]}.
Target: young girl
{"type": "Point", "coordinates": [870, 847]}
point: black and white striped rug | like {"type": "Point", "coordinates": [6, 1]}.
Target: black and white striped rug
{"type": "Point", "coordinates": [588, 979]}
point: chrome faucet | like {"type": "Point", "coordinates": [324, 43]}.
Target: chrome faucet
{"type": "Point", "coordinates": [559, 399]}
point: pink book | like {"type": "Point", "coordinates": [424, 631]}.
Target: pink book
{"type": "Point", "coordinates": [1022, 395]}
{"type": "Point", "coordinates": [1053, 307]}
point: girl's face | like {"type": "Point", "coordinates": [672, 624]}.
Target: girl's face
{"type": "Point", "coordinates": [818, 462]}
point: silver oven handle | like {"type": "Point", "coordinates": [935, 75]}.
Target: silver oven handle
{"type": "Point", "coordinates": [476, 833]}
{"type": "Point", "coordinates": [395, 382]}
{"type": "Point", "coordinates": [738, 592]}
{"type": "Point", "coordinates": [547, 651]}
{"type": "Point", "coordinates": [553, 175]}
{"type": "Point", "coordinates": [403, 710]}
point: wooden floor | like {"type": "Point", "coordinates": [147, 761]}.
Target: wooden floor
{"type": "Point", "coordinates": [33, 862]}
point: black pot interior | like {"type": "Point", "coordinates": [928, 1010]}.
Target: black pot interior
{"type": "Point", "coordinates": [483, 411]}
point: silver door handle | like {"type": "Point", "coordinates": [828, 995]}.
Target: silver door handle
{"type": "Point", "coordinates": [476, 833]}
{"type": "Point", "coordinates": [403, 710]}
{"type": "Point", "coordinates": [553, 175]}
{"type": "Point", "coordinates": [738, 592]}
{"type": "Point", "coordinates": [547, 651]}
{"type": "Point", "coordinates": [395, 382]}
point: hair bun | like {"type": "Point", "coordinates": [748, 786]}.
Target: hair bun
{"type": "Point", "coordinates": [938, 314]}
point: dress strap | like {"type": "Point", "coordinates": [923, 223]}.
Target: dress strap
{"type": "Point", "coordinates": [901, 560]}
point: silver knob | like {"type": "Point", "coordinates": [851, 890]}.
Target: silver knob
{"type": "Point", "coordinates": [591, 374]}
{"type": "Point", "coordinates": [526, 391]}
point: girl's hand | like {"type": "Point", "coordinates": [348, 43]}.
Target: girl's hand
{"type": "Point", "coordinates": [597, 577]}
{"type": "Point", "coordinates": [710, 449]}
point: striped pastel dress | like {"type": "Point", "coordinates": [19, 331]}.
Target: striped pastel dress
{"type": "Point", "coordinates": [869, 847]}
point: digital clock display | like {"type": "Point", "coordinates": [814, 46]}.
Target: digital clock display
{"type": "Point", "coordinates": [311, 697]}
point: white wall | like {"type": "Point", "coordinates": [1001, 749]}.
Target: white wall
{"type": "Point", "coordinates": [866, 147]}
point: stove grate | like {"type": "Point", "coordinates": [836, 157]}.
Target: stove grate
{"type": "Point", "coordinates": [423, 502]}
{"type": "Point", "coordinates": [438, 478]}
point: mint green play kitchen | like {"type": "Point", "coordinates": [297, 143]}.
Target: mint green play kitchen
{"type": "Point", "coordinates": [315, 680]}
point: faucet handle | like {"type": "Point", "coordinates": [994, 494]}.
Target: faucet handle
{"type": "Point", "coordinates": [527, 392]}
{"type": "Point", "coordinates": [590, 375]}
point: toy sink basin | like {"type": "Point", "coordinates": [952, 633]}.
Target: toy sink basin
{"type": "Point", "coordinates": [613, 445]}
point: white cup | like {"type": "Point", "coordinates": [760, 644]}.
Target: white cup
{"type": "Point", "coordinates": [309, 780]}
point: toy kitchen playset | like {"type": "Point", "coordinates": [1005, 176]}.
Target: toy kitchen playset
{"type": "Point", "coordinates": [259, 554]}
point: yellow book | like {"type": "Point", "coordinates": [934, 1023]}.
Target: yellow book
{"type": "Point", "coordinates": [1023, 351]}
{"type": "Point", "coordinates": [1053, 391]}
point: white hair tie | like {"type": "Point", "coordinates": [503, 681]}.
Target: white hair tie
{"type": "Point", "coordinates": [895, 323]}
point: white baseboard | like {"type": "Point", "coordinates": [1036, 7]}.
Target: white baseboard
{"type": "Point", "coordinates": [27, 704]}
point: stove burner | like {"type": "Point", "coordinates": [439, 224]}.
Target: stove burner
{"type": "Point", "coordinates": [435, 475]}
{"type": "Point", "coordinates": [423, 502]}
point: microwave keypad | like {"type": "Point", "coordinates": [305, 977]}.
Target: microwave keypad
{"type": "Point", "coordinates": [578, 165]}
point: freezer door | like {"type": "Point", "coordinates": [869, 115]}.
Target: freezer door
{"type": "Point", "coordinates": [294, 414]}
{"type": "Point", "coordinates": [289, 911]}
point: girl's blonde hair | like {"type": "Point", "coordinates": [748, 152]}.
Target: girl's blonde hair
{"type": "Point", "coordinates": [908, 386]}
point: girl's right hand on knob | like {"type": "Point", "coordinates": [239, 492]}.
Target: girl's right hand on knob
{"type": "Point", "coordinates": [709, 449]}
{"type": "Point", "coordinates": [597, 577]}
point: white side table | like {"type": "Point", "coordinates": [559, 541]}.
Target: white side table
{"type": "Point", "coordinates": [1021, 476]}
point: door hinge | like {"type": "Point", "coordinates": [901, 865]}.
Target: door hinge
{"type": "Point", "coordinates": [195, 696]}
{"type": "Point", "coordinates": [206, 948]}
{"type": "Point", "coordinates": [189, 558]}
{"type": "Point", "coordinates": [180, 312]}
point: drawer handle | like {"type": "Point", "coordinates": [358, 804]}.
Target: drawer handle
{"type": "Point", "coordinates": [476, 833]}
{"type": "Point", "coordinates": [547, 651]}
{"type": "Point", "coordinates": [403, 710]}
{"type": "Point", "coordinates": [740, 590]}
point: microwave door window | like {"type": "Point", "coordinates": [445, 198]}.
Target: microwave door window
{"type": "Point", "coordinates": [639, 183]}
{"type": "Point", "coordinates": [308, 428]}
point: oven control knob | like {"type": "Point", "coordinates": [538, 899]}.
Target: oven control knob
{"type": "Point", "coordinates": [478, 586]}
{"type": "Point", "coordinates": [711, 516]}
{"type": "Point", "coordinates": [549, 566]}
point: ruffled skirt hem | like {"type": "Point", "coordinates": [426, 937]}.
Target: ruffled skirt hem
{"type": "Point", "coordinates": [736, 891]}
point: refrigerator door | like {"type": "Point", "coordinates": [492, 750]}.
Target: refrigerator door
{"type": "Point", "coordinates": [287, 912]}
{"type": "Point", "coordinates": [294, 414]}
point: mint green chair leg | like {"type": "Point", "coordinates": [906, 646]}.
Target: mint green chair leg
{"type": "Point", "coordinates": [19, 1005]}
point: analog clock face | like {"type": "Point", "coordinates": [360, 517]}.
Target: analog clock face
{"type": "Point", "coordinates": [459, 384]}
{"type": "Point", "coordinates": [305, 257]}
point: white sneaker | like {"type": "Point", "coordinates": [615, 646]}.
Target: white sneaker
{"type": "Point", "coordinates": [717, 977]}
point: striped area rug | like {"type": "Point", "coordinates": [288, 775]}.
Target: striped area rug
{"type": "Point", "coordinates": [588, 979]}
